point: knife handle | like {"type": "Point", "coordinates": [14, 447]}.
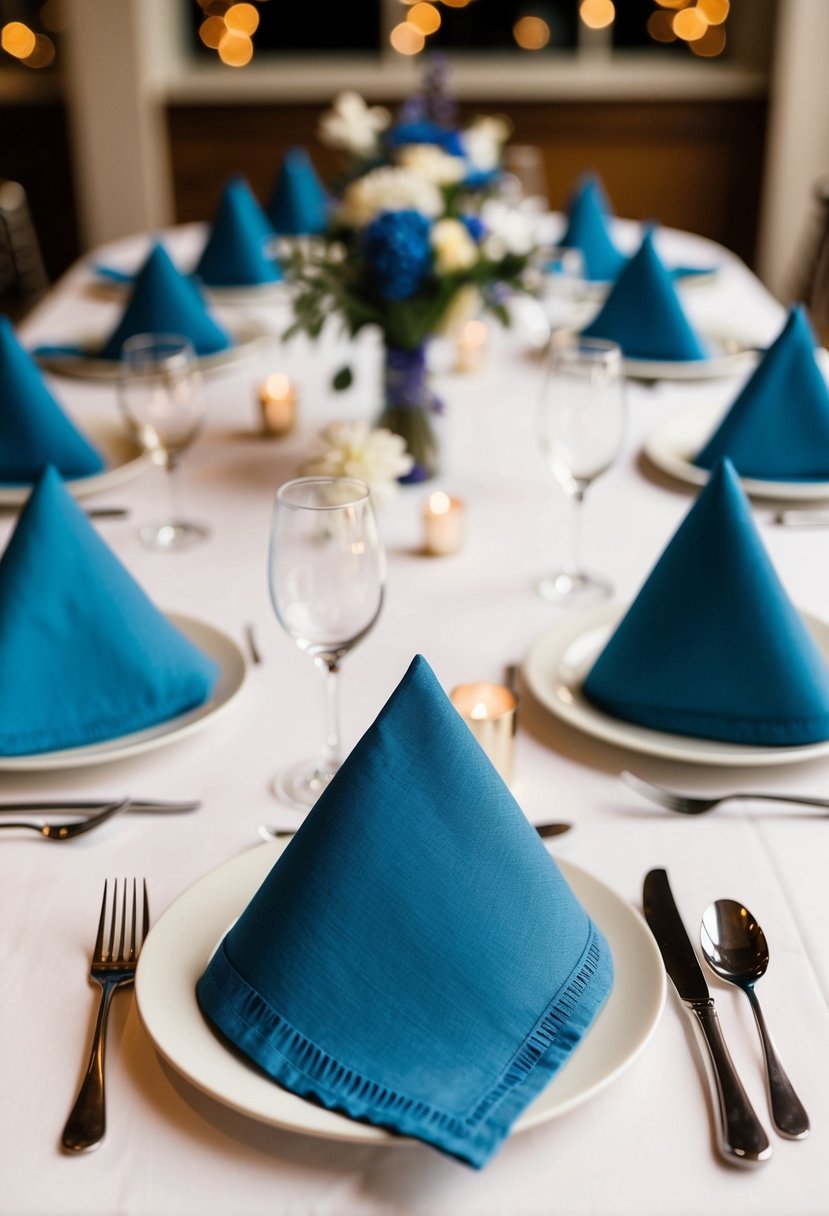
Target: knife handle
{"type": "Point", "coordinates": [740, 1134]}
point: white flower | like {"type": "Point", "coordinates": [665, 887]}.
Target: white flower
{"type": "Point", "coordinates": [352, 125]}
{"type": "Point", "coordinates": [433, 163]}
{"type": "Point", "coordinates": [388, 189]}
{"type": "Point", "coordinates": [454, 247]}
{"type": "Point", "coordinates": [353, 449]}
{"type": "Point", "coordinates": [484, 142]}
{"type": "Point", "coordinates": [508, 230]}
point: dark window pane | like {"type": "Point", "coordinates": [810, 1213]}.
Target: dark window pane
{"type": "Point", "coordinates": [286, 26]}
{"type": "Point", "coordinates": [489, 25]}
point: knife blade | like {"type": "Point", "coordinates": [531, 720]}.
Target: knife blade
{"type": "Point", "coordinates": [741, 1139]}
{"type": "Point", "coordinates": [57, 805]}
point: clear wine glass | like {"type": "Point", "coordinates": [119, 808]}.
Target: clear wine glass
{"type": "Point", "coordinates": [580, 423]}
{"type": "Point", "coordinates": [326, 570]}
{"type": "Point", "coordinates": [162, 398]}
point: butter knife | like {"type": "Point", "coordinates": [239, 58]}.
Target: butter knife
{"type": "Point", "coordinates": [740, 1136]}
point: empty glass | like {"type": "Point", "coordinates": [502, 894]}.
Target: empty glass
{"type": "Point", "coordinates": [580, 423]}
{"type": "Point", "coordinates": [162, 398]}
{"type": "Point", "coordinates": [327, 571]}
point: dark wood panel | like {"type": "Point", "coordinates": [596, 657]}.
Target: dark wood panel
{"type": "Point", "coordinates": [694, 165]}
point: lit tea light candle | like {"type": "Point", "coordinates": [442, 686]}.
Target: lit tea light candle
{"type": "Point", "coordinates": [277, 401]}
{"type": "Point", "coordinates": [443, 519]}
{"type": "Point", "coordinates": [471, 346]}
{"type": "Point", "coordinates": [490, 712]}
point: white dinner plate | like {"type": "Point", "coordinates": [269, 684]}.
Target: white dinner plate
{"type": "Point", "coordinates": [232, 670]}
{"type": "Point", "coordinates": [556, 667]}
{"type": "Point", "coordinates": [180, 944]}
{"type": "Point", "coordinates": [248, 296]}
{"type": "Point", "coordinates": [124, 460]}
{"type": "Point", "coordinates": [730, 355]}
{"type": "Point", "coordinates": [672, 446]}
{"type": "Point", "coordinates": [248, 338]}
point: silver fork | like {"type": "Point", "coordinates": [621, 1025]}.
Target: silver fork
{"type": "Point", "coordinates": [86, 1124]}
{"type": "Point", "coordinates": [687, 804]}
{"type": "Point", "coordinates": [75, 827]}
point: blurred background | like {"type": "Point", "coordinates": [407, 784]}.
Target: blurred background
{"type": "Point", "coordinates": [709, 115]}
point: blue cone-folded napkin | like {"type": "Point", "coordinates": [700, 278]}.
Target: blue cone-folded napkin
{"type": "Point", "coordinates": [34, 431]}
{"type": "Point", "coordinates": [712, 646]}
{"type": "Point", "coordinates": [643, 312]}
{"type": "Point", "coordinates": [777, 428]}
{"type": "Point", "coordinates": [239, 250]}
{"type": "Point", "coordinates": [414, 958]}
{"type": "Point", "coordinates": [164, 301]}
{"type": "Point", "coordinates": [588, 230]}
{"type": "Point", "coordinates": [84, 654]}
{"type": "Point", "coordinates": [298, 205]}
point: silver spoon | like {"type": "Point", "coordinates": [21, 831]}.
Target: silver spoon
{"type": "Point", "coordinates": [735, 949]}
{"type": "Point", "coordinates": [544, 829]}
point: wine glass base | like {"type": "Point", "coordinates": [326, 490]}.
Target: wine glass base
{"type": "Point", "coordinates": [301, 784]}
{"type": "Point", "coordinates": [176, 534]}
{"type": "Point", "coordinates": [576, 588]}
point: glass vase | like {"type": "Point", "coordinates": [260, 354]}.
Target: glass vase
{"type": "Point", "coordinates": [409, 409]}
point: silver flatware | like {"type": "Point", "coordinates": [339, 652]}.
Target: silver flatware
{"type": "Point", "coordinates": [255, 652]}
{"type": "Point", "coordinates": [735, 948]}
{"type": "Point", "coordinates": [740, 1136]}
{"type": "Point", "coordinates": [67, 831]}
{"type": "Point", "coordinates": [690, 804]}
{"type": "Point", "coordinates": [112, 968]}
{"type": "Point", "coordinates": [138, 805]}
{"type": "Point", "coordinates": [791, 518]}
{"type": "Point", "coordinates": [544, 829]}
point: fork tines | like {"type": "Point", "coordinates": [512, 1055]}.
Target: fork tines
{"type": "Point", "coordinates": [106, 954]}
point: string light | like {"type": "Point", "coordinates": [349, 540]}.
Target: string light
{"type": "Point", "coordinates": [711, 44]}
{"type": "Point", "coordinates": [43, 54]}
{"type": "Point", "coordinates": [714, 11]}
{"type": "Point", "coordinates": [242, 19]}
{"type": "Point", "coordinates": [690, 24]}
{"type": "Point", "coordinates": [531, 33]}
{"type": "Point", "coordinates": [407, 39]}
{"type": "Point", "coordinates": [661, 26]}
{"type": "Point", "coordinates": [597, 14]}
{"type": "Point", "coordinates": [424, 17]}
{"type": "Point", "coordinates": [235, 49]}
{"type": "Point", "coordinates": [17, 39]}
{"type": "Point", "coordinates": [212, 31]}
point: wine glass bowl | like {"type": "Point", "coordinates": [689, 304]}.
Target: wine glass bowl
{"type": "Point", "coordinates": [580, 427]}
{"type": "Point", "coordinates": [326, 573]}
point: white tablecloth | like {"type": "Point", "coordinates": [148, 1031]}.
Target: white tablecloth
{"type": "Point", "coordinates": [643, 1146]}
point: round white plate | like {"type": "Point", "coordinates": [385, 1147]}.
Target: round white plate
{"type": "Point", "coordinates": [729, 357]}
{"type": "Point", "coordinates": [124, 459]}
{"type": "Point", "coordinates": [251, 295]}
{"type": "Point", "coordinates": [672, 446]}
{"type": "Point", "coordinates": [556, 667]}
{"type": "Point", "coordinates": [232, 670]}
{"type": "Point", "coordinates": [247, 335]}
{"type": "Point", "coordinates": [180, 944]}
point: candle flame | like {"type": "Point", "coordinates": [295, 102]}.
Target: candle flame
{"type": "Point", "coordinates": [278, 385]}
{"type": "Point", "coordinates": [478, 711]}
{"type": "Point", "coordinates": [439, 503]}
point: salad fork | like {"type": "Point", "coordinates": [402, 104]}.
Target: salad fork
{"type": "Point", "coordinates": [86, 1124]}
{"type": "Point", "coordinates": [688, 804]}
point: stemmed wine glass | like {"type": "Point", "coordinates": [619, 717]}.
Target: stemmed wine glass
{"type": "Point", "coordinates": [162, 398]}
{"type": "Point", "coordinates": [327, 570]}
{"type": "Point", "coordinates": [580, 425]}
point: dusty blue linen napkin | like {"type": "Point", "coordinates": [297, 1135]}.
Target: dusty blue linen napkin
{"type": "Point", "coordinates": [34, 431]}
{"type": "Point", "coordinates": [712, 646]}
{"type": "Point", "coordinates": [84, 654]}
{"type": "Point", "coordinates": [239, 251]}
{"type": "Point", "coordinates": [644, 315]}
{"type": "Point", "coordinates": [777, 428]}
{"type": "Point", "coordinates": [298, 205]}
{"type": "Point", "coordinates": [414, 958]}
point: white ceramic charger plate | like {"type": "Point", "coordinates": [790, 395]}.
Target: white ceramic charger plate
{"type": "Point", "coordinates": [558, 662]}
{"type": "Point", "coordinates": [124, 459]}
{"type": "Point", "coordinates": [671, 447]}
{"type": "Point", "coordinates": [730, 356]}
{"type": "Point", "coordinates": [180, 944]}
{"type": "Point", "coordinates": [232, 670]}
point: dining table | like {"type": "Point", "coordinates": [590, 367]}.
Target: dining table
{"type": "Point", "coordinates": [642, 1144]}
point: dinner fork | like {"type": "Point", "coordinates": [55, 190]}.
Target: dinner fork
{"type": "Point", "coordinates": [687, 804]}
{"type": "Point", "coordinates": [75, 827]}
{"type": "Point", "coordinates": [86, 1124]}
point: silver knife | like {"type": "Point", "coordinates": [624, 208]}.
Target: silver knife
{"type": "Point", "coordinates": [740, 1135]}
{"type": "Point", "coordinates": [87, 804]}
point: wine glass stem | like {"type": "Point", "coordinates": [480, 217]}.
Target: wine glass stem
{"type": "Point", "coordinates": [174, 482]}
{"type": "Point", "coordinates": [574, 561]}
{"type": "Point", "coordinates": [331, 747]}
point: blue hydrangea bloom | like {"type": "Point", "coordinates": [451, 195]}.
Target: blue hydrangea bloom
{"type": "Point", "coordinates": [426, 132]}
{"type": "Point", "coordinates": [397, 249]}
{"type": "Point", "coordinates": [474, 226]}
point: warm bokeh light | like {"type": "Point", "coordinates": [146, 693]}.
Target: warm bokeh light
{"type": "Point", "coordinates": [439, 502]}
{"type": "Point", "coordinates": [661, 26]}
{"type": "Point", "coordinates": [456, 3]}
{"type": "Point", "coordinates": [43, 54]}
{"type": "Point", "coordinates": [424, 17]}
{"type": "Point", "coordinates": [531, 33]}
{"type": "Point", "coordinates": [215, 8]}
{"type": "Point", "coordinates": [714, 11]}
{"type": "Point", "coordinates": [17, 39]}
{"type": "Point", "coordinates": [406, 39]}
{"type": "Point", "coordinates": [711, 44]}
{"type": "Point", "coordinates": [597, 14]}
{"type": "Point", "coordinates": [212, 31]}
{"type": "Point", "coordinates": [235, 49]}
{"type": "Point", "coordinates": [242, 18]}
{"type": "Point", "coordinates": [673, 3]}
{"type": "Point", "coordinates": [690, 24]}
